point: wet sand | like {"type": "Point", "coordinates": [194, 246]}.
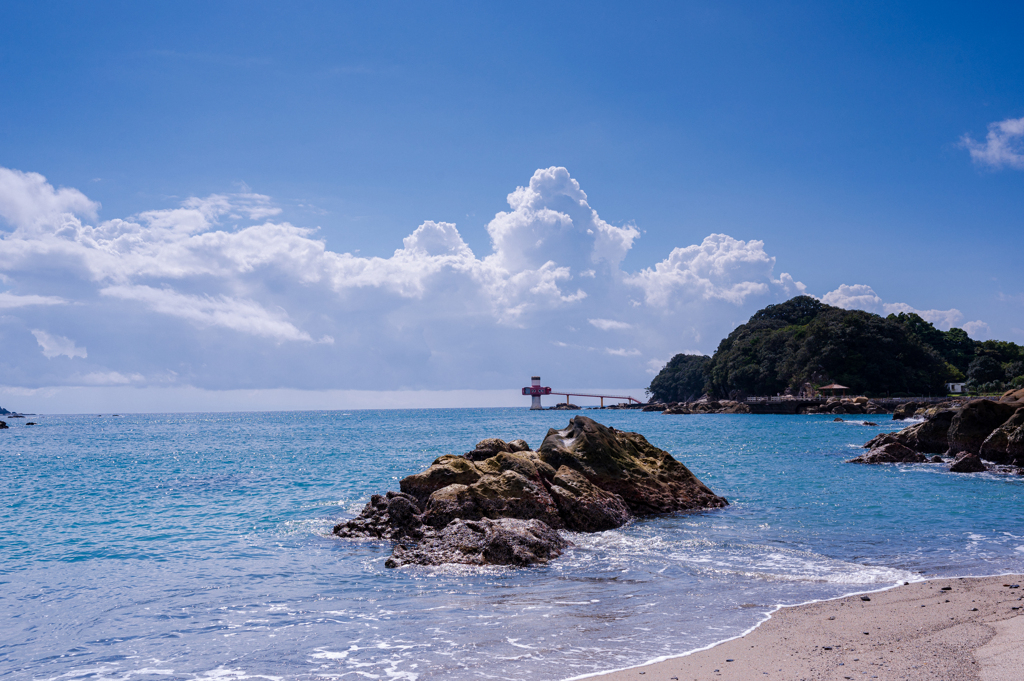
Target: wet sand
{"type": "Point", "coordinates": [972, 631]}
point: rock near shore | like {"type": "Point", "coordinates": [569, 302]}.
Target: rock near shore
{"type": "Point", "coordinates": [978, 430]}
{"type": "Point", "coordinates": [585, 478]}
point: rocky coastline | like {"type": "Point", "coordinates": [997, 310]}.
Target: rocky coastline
{"type": "Point", "coordinates": [973, 436]}
{"type": "Point", "coordinates": [503, 503]}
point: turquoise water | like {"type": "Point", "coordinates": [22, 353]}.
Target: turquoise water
{"type": "Point", "coordinates": [198, 546]}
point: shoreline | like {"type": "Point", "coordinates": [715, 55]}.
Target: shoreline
{"type": "Point", "coordinates": [916, 630]}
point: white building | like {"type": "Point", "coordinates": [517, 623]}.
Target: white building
{"type": "Point", "coordinates": [956, 388]}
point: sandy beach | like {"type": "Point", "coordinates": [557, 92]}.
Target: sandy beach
{"type": "Point", "coordinates": [949, 629]}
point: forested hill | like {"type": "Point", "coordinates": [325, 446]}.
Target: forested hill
{"type": "Point", "coordinates": [803, 340]}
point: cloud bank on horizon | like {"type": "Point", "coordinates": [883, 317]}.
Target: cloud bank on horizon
{"type": "Point", "coordinates": [216, 294]}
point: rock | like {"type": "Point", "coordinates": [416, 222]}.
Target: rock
{"type": "Point", "coordinates": [31, 423]}
{"type": "Point", "coordinates": [928, 436]}
{"type": "Point", "coordinates": [679, 409]}
{"type": "Point", "coordinates": [904, 411]}
{"type": "Point", "coordinates": [446, 470]}
{"type": "Point", "coordinates": [967, 463]}
{"type": "Point", "coordinates": [869, 423]}
{"type": "Point", "coordinates": [586, 478]}
{"type": "Point", "coordinates": [584, 507]}
{"type": "Point", "coordinates": [974, 422]}
{"type": "Point", "coordinates": [879, 440]}
{"type": "Point", "coordinates": [3, 425]}
{"type": "Point", "coordinates": [565, 406]}
{"type": "Point", "coordinates": [508, 495]}
{"type": "Point", "coordinates": [487, 448]}
{"type": "Point", "coordinates": [657, 406]}
{"type": "Point", "coordinates": [936, 459]}
{"type": "Point", "coordinates": [860, 400]}
{"type": "Point", "coordinates": [648, 479]}
{"type": "Point", "coordinates": [1013, 397]}
{"type": "Point", "coordinates": [838, 419]}
{"type": "Point", "coordinates": [893, 452]}
{"type": "Point", "coordinates": [996, 446]}
{"type": "Point", "coordinates": [505, 541]}
{"type": "Point", "coordinates": [392, 516]}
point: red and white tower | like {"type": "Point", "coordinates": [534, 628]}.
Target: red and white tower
{"type": "Point", "coordinates": [535, 390]}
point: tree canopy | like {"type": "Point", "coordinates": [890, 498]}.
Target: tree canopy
{"type": "Point", "coordinates": [804, 340]}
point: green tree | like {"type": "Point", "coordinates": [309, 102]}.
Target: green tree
{"type": "Point", "coordinates": [682, 380]}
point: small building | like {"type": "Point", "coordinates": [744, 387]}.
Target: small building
{"type": "Point", "coordinates": [956, 388]}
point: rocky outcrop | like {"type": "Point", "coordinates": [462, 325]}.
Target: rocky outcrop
{"type": "Point", "coordinates": [905, 411]}
{"type": "Point", "coordinates": [893, 452]}
{"type": "Point", "coordinates": [1005, 444]}
{"type": "Point", "coordinates": [974, 422]}
{"type": "Point", "coordinates": [648, 479]}
{"type": "Point", "coordinates": [3, 425]}
{"type": "Point", "coordinates": [586, 477]}
{"type": "Point", "coordinates": [700, 407]}
{"type": "Point", "coordinates": [966, 462]}
{"type": "Point", "coordinates": [928, 437]}
{"type": "Point", "coordinates": [977, 431]}
{"type": "Point", "coordinates": [583, 506]}
{"type": "Point", "coordinates": [505, 541]}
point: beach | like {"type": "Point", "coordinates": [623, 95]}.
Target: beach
{"type": "Point", "coordinates": [950, 629]}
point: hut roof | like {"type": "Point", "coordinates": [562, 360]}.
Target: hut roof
{"type": "Point", "coordinates": [834, 386]}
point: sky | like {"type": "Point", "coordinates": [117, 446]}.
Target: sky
{"type": "Point", "coordinates": [248, 205]}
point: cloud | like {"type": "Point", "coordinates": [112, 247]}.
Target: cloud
{"type": "Point", "coordinates": [245, 316]}
{"type": "Point", "coordinates": [10, 300]}
{"type": "Point", "coordinates": [863, 297]}
{"type": "Point", "coordinates": [55, 346]}
{"type": "Point", "coordinates": [976, 329]}
{"type": "Point", "coordinates": [609, 324]}
{"type": "Point", "coordinates": [28, 202]}
{"type": "Point", "coordinates": [1003, 146]}
{"type": "Point", "coordinates": [216, 292]}
{"type": "Point", "coordinates": [721, 268]}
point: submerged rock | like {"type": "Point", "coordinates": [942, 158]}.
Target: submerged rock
{"type": "Point", "coordinates": [585, 478]}
{"type": "Point", "coordinates": [893, 452]}
{"type": "Point", "coordinates": [505, 541]}
{"type": "Point", "coordinates": [967, 463]}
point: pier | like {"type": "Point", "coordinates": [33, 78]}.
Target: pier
{"type": "Point", "coordinates": [536, 390]}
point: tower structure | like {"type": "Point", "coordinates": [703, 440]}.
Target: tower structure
{"type": "Point", "coordinates": [536, 390]}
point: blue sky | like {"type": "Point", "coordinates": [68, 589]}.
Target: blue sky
{"type": "Point", "coordinates": [239, 176]}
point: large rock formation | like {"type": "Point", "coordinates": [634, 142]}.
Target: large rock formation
{"type": "Point", "coordinates": [502, 503]}
{"type": "Point", "coordinates": [974, 422]}
{"type": "Point", "coordinates": [648, 479]}
{"type": "Point", "coordinates": [979, 429]}
{"type": "Point", "coordinates": [1005, 444]}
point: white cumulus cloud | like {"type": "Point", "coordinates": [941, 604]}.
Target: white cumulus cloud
{"type": "Point", "coordinates": [863, 297]}
{"type": "Point", "coordinates": [55, 346]}
{"type": "Point", "coordinates": [1003, 145]}
{"type": "Point", "coordinates": [218, 292]}
{"type": "Point", "coordinates": [720, 267]}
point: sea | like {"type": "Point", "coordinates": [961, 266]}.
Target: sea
{"type": "Point", "coordinates": [199, 546]}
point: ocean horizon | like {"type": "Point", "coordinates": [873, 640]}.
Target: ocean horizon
{"type": "Point", "coordinates": [192, 546]}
